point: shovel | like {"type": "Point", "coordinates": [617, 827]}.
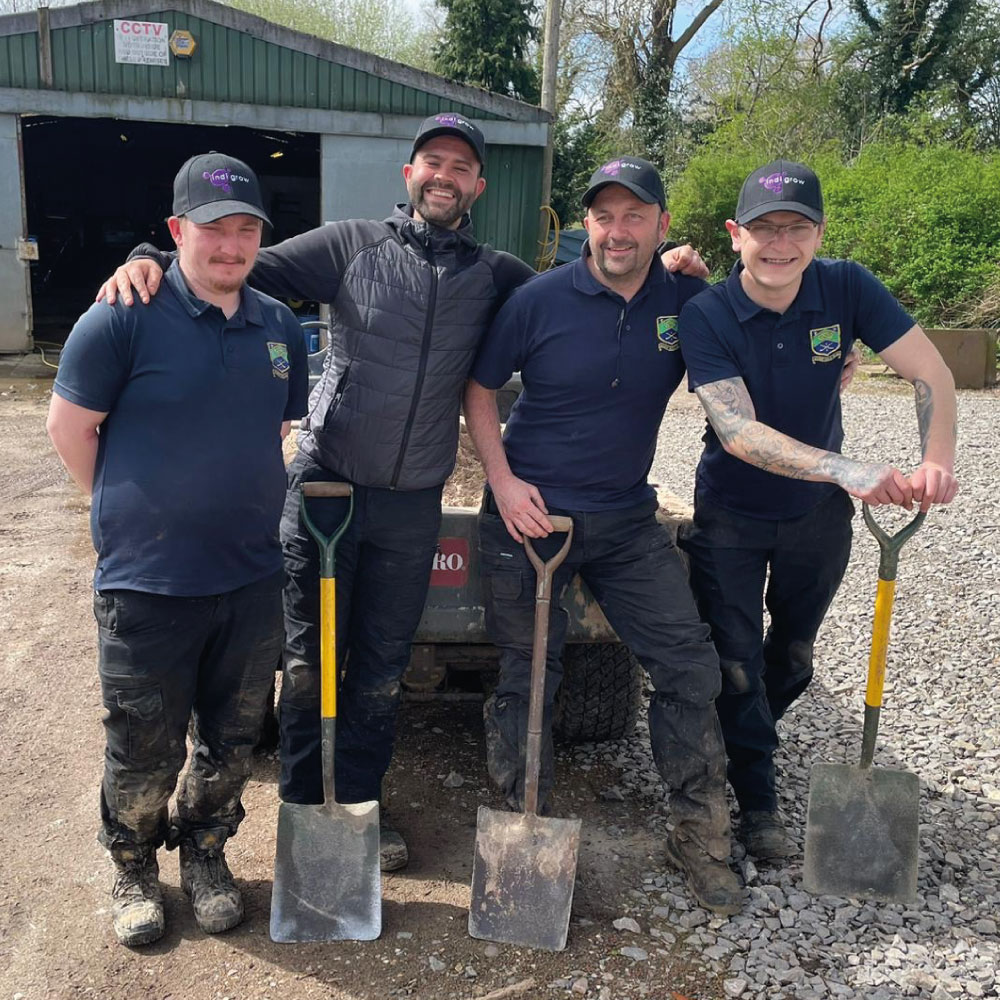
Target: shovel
{"type": "Point", "coordinates": [861, 826]}
{"type": "Point", "coordinates": [525, 864]}
{"type": "Point", "coordinates": [327, 881]}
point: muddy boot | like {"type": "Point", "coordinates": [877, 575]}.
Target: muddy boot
{"type": "Point", "coordinates": [392, 851]}
{"type": "Point", "coordinates": [137, 904]}
{"type": "Point", "coordinates": [712, 882]}
{"type": "Point", "coordinates": [764, 836]}
{"type": "Point", "coordinates": [207, 880]}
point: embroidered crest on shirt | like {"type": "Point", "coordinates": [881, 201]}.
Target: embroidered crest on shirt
{"type": "Point", "coordinates": [825, 343]}
{"type": "Point", "coordinates": [279, 359]}
{"type": "Point", "coordinates": [666, 333]}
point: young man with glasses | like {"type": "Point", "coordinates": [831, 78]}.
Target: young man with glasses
{"type": "Point", "coordinates": [764, 352]}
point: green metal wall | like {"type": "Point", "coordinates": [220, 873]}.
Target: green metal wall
{"type": "Point", "coordinates": [19, 61]}
{"type": "Point", "coordinates": [228, 65]}
{"type": "Point", "coordinates": [507, 214]}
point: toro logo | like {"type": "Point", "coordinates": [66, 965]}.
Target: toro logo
{"type": "Point", "coordinates": [451, 563]}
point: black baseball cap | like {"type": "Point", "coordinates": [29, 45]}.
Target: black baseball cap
{"type": "Point", "coordinates": [639, 176]}
{"type": "Point", "coordinates": [449, 123]}
{"type": "Point", "coordinates": [211, 186]}
{"type": "Point", "coordinates": [781, 186]}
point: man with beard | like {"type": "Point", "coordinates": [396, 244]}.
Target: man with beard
{"type": "Point", "coordinates": [172, 417]}
{"type": "Point", "coordinates": [410, 299]}
{"type": "Point", "coordinates": [596, 345]}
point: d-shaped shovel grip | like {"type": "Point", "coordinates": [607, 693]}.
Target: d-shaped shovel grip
{"type": "Point", "coordinates": [539, 653]}
{"type": "Point", "coordinates": [884, 597]}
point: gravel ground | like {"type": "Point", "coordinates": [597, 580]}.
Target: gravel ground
{"type": "Point", "coordinates": [941, 719]}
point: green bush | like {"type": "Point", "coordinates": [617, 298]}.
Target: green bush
{"type": "Point", "coordinates": [925, 219]}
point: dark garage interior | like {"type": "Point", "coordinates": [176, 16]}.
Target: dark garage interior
{"type": "Point", "coordinates": [96, 187]}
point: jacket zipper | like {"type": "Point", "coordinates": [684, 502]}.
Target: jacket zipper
{"type": "Point", "coordinates": [425, 349]}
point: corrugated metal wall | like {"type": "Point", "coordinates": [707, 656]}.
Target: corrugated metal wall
{"type": "Point", "coordinates": [19, 61]}
{"type": "Point", "coordinates": [507, 214]}
{"type": "Point", "coordinates": [229, 65]}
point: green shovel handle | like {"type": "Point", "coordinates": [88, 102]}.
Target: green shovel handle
{"type": "Point", "coordinates": [890, 544]}
{"type": "Point", "coordinates": [327, 543]}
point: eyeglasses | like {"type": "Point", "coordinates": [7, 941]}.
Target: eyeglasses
{"type": "Point", "coordinates": [766, 232]}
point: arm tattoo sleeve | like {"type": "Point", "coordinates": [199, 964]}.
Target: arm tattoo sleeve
{"type": "Point", "coordinates": [731, 414]}
{"type": "Point", "coordinates": [925, 411]}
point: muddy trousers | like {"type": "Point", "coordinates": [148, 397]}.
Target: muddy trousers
{"type": "Point", "coordinates": [633, 569]}
{"type": "Point", "coordinates": [384, 564]}
{"type": "Point", "coordinates": [163, 662]}
{"type": "Point", "coordinates": [739, 565]}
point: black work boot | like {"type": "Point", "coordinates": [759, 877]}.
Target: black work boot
{"type": "Point", "coordinates": [137, 903]}
{"type": "Point", "coordinates": [712, 882]}
{"type": "Point", "coordinates": [393, 853]}
{"type": "Point", "coordinates": [764, 836]}
{"type": "Point", "coordinates": [207, 880]}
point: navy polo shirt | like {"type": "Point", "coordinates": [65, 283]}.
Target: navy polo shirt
{"type": "Point", "coordinates": [791, 363]}
{"type": "Point", "coordinates": [597, 374]}
{"type": "Point", "coordinates": [190, 480]}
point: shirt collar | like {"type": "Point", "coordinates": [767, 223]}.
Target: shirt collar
{"type": "Point", "coordinates": [248, 312]}
{"type": "Point", "coordinates": [584, 281]}
{"type": "Point", "coordinates": [808, 299]}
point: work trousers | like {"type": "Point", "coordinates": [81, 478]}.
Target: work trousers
{"type": "Point", "coordinates": [634, 571]}
{"type": "Point", "coordinates": [738, 566]}
{"type": "Point", "coordinates": [164, 661]}
{"type": "Point", "coordinates": [383, 564]}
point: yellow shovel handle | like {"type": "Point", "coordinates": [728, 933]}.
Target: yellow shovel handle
{"type": "Point", "coordinates": [884, 596]}
{"type": "Point", "coordinates": [328, 647]}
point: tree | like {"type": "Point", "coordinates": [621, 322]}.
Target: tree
{"type": "Point", "coordinates": [383, 27]}
{"type": "Point", "coordinates": [908, 45]}
{"type": "Point", "coordinates": [643, 49]}
{"type": "Point", "coordinates": [485, 43]}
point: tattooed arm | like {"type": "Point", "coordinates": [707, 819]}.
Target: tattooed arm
{"type": "Point", "coordinates": [916, 359]}
{"type": "Point", "coordinates": [731, 414]}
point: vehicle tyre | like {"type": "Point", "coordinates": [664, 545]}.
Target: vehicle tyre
{"type": "Point", "coordinates": [600, 693]}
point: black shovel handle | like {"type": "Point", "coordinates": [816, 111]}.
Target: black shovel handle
{"type": "Point", "coordinates": [540, 648]}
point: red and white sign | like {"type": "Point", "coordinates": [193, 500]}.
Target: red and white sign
{"type": "Point", "coordinates": [451, 563]}
{"type": "Point", "coordinates": [146, 43]}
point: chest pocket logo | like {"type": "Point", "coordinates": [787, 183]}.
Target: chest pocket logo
{"type": "Point", "coordinates": [279, 359]}
{"type": "Point", "coordinates": [825, 343]}
{"type": "Point", "coordinates": [666, 333]}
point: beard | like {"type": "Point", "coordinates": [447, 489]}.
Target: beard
{"type": "Point", "coordinates": [441, 215]}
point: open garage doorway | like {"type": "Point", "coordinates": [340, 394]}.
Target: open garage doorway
{"type": "Point", "coordinates": [96, 187]}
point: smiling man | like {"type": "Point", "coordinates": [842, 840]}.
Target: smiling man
{"type": "Point", "coordinates": [765, 351]}
{"type": "Point", "coordinates": [596, 345]}
{"type": "Point", "coordinates": [172, 417]}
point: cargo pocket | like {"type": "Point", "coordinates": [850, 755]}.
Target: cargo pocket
{"type": "Point", "coordinates": [137, 716]}
{"type": "Point", "coordinates": [505, 584]}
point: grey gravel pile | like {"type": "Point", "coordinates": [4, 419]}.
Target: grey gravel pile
{"type": "Point", "coordinates": [941, 719]}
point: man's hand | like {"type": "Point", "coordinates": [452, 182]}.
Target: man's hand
{"type": "Point", "coordinates": [933, 483]}
{"type": "Point", "coordinates": [686, 260]}
{"type": "Point", "coordinates": [142, 273]}
{"type": "Point", "coordinates": [875, 483]}
{"type": "Point", "coordinates": [522, 508]}
{"type": "Point", "coordinates": [851, 365]}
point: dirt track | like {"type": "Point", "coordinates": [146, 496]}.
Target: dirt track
{"type": "Point", "coordinates": [55, 934]}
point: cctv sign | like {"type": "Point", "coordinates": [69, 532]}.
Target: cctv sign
{"type": "Point", "coordinates": [146, 43]}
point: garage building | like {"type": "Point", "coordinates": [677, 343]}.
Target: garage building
{"type": "Point", "coordinates": [101, 102]}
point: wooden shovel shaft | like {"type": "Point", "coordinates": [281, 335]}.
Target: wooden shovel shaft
{"type": "Point", "coordinates": [539, 655]}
